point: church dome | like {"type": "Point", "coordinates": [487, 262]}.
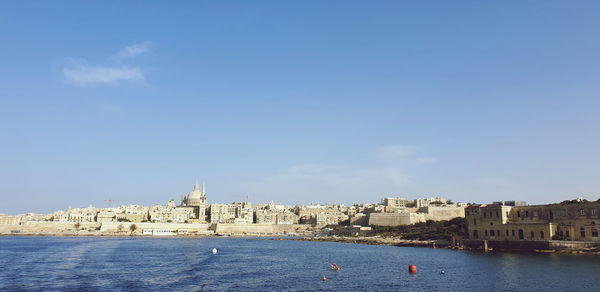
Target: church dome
{"type": "Point", "coordinates": [197, 196]}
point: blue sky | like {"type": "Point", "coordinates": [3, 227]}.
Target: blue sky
{"type": "Point", "coordinates": [297, 101]}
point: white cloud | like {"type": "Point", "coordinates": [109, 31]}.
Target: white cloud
{"type": "Point", "coordinates": [133, 50]}
{"type": "Point", "coordinates": [82, 74]}
{"type": "Point", "coordinates": [328, 183]}
{"type": "Point", "coordinates": [389, 173]}
{"type": "Point", "coordinates": [396, 151]}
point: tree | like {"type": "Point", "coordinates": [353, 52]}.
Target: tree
{"type": "Point", "coordinates": [132, 228]}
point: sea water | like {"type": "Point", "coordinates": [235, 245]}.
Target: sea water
{"type": "Point", "coordinates": [255, 264]}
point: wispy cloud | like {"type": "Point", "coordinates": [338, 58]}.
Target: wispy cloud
{"type": "Point", "coordinates": [81, 73]}
{"type": "Point", "coordinates": [406, 154]}
{"type": "Point", "coordinates": [391, 170]}
{"type": "Point", "coordinates": [396, 151]}
{"type": "Point", "coordinates": [133, 50]}
{"type": "Point", "coordinates": [318, 182]}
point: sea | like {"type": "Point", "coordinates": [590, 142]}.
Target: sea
{"type": "Point", "coordinates": [259, 264]}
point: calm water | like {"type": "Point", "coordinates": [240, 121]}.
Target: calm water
{"type": "Point", "coordinates": [54, 263]}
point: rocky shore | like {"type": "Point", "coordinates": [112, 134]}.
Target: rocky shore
{"type": "Point", "coordinates": [395, 241]}
{"type": "Point", "coordinates": [376, 240]}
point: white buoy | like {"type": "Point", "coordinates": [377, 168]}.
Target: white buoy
{"type": "Point", "coordinates": [214, 251]}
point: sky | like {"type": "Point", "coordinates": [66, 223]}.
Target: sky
{"type": "Point", "coordinates": [297, 102]}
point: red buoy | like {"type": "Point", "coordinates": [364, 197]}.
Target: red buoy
{"type": "Point", "coordinates": [412, 269]}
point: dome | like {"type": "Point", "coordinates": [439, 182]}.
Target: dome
{"type": "Point", "coordinates": [197, 196]}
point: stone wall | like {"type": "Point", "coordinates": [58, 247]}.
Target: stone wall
{"type": "Point", "coordinates": [532, 245]}
{"type": "Point", "coordinates": [112, 227]}
{"type": "Point", "coordinates": [444, 213]}
{"type": "Point", "coordinates": [409, 218]}
{"type": "Point", "coordinates": [259, 229]}
{"type": "Point", "coordinates": [49, 227]}
{"type": "Point", "coordinates": [395, 219]}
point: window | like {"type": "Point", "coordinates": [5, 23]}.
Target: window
{"type": "Point", "coordinates": [498, 232]}
{"type": "Point", "coordinates": [531, 234]}
{"type": "Point", "coordinates": [467, 213]}
{"type": "Point", "coordinates": [582, 212]}
{"type": "Point", "coordinates": [497, 214]}
{"type": "Point", "coordinates": [519, 214]}
{"type": "Point", "coordinates": [475, 234]}
{"type": "Point", "coordinates": [492, 223]}
{"type": "Point", "coordinates": [486, 232]}
{"type": "Point", "coordinates": [556, 213]}
{"type": "Point", "coordinates": [506, 213]}
{"type": "Point", "coordinates": [484, 214]}
{"type": "Point", "coordinates": [567, 234]}
{"type": "Point", "coordinates": [492, 233]}
{"type": "Point", "coordinates": [582, 231]}
{"type": "Point", "coordinates": [542, 234]}
{"type": "Point", "coordinates": [594, 233]}
{"type": "Point", "coordinates": [507, 232]}
{"type": "Point", "coordinates": [513, 232]}
{"type": "Point", "coordinates": [526, 213]}
{"type": "Point", "coordinates": [535, 213]}
{"type": "Point", "coordinates": [474, 221]}
{"type": "Point", "coordinates": [593, 211]}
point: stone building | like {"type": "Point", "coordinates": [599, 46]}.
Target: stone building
{"type": "Point", "coordinates": [569, 221]}
{"type": "Point", "coordinates": [197, 200]}
{"type": "Point", "coordinates": [225, 213]}
{"type": "Point", "coordinates": [394, 203]}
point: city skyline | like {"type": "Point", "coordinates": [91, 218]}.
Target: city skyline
{"type": "Point", "coordinates": [335, 102]}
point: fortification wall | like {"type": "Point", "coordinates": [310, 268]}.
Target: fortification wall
{"type": "Point", "coordinates": [444, 213]}
{"type": "Point", "coordinates": [259, 229]}
{"type": "Point", "coordinates": [124, 226]}
{"type": "Point", "coordinates": [45, 228]}
{"type": "Point", "coordinates": [395, 219]}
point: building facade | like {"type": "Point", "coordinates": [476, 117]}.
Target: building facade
{"type": "Point", "coordinates": [565, 221]}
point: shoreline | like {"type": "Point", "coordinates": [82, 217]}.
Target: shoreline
{"type": "Point", "coordinates": [391, 241]}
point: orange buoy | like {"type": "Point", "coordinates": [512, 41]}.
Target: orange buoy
{"type": "Point", "coordinates": [412, 269]}
{"type": "Point", "coordinates": [324, 279]}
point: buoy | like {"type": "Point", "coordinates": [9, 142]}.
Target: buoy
{"type": "Point", "coordinates": [412, 269]}
{"type": "Point", "coordinates": [335, 267]}
{"type": "Point", "coordinates": [442, 272]}
{"type": "Point", "coordinates": [214, 251]}
{"type": "Point", "coordinates": [324, 279]}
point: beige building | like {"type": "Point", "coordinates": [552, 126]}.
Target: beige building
{"type": "Point", "coordinates": [10, 220]}
{"type": "Point", "coordinates": [225, 213]}
{"type": "Point", "coordinates": [197, 199]}
{"type": "Point", "coordinates": [397, 202]}
{"type": "Point", "coordinates": [567, 221]}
